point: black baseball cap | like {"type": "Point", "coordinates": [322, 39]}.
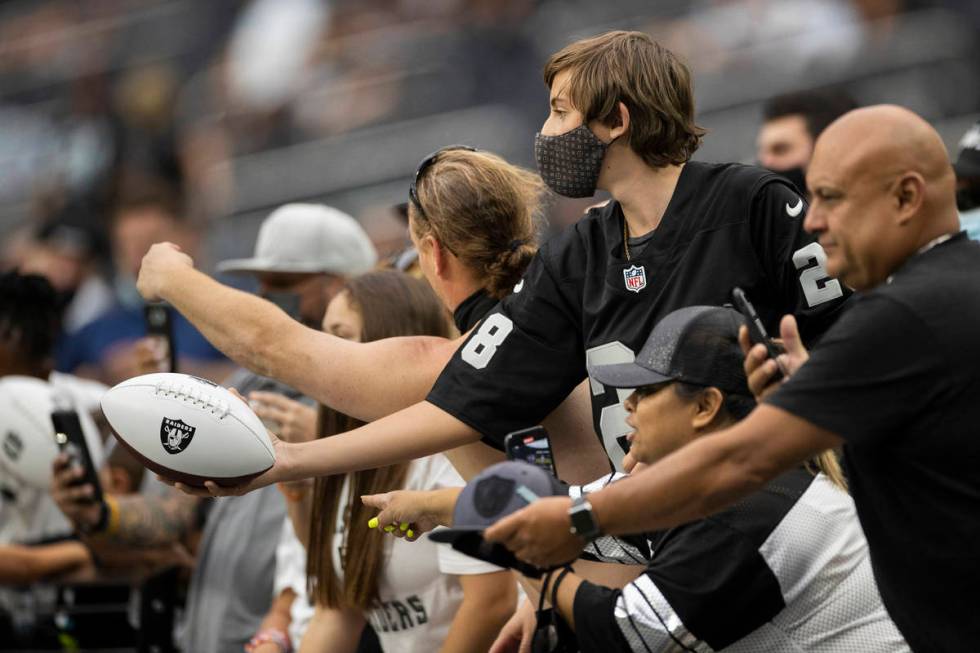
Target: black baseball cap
{"type": "Point", "coordinates": [697, 345]}
{"type": "Point", "coordinates": [968, 158]}
{"type": "Point", "coordinates": [496, 492]}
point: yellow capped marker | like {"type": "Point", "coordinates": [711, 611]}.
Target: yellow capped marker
{"type": "Point", "coordinates": [373, 522]}
{"type": "Point", "coordinates": [388, 529]}
{"type": "Point", "coordinates": [404, 526]}
{"type": "Point", "coordinates": [410, 533]}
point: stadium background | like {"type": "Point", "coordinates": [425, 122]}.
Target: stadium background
{"type": "Point", "coordinates": [246, 105]}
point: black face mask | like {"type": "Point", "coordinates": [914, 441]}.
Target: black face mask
{"type": "Point", "coordinates": [289, 303]}
{"type": "Point", "coordinates": [570, 163]}
{"type": "Point", "coordinates": [795, 176]}
{"type": "Point", "coordinates": [968, 197]}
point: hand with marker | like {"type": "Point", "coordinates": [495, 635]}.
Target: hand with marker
{"type": "Point", "coordinates": [410, 513]}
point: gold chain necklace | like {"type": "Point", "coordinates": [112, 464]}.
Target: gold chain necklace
{"type": "Point", "coordinates": [626, 239]}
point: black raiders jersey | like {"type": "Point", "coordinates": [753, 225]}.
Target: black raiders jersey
{"type": "Point", "coordinates": [582, 303]}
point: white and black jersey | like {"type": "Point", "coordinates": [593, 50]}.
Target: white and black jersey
{"type": "Point", "coordinates": [581, 302]}
{"type": "Point", "coordinates": [623, 549]}
{"type": "Point", "coordinates": [784, 570]}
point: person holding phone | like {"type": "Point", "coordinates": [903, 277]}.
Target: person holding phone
{"type": "Point", "coordinates": [894, 383]}
{"type": "Point", "coordinates": [113, 346]}
{"type": "Point", "coordinates": [303, 252]}
{"type": "Point", "coordinates": [29, 326]}
{"type": "Point", "coordinates": [774, 569]}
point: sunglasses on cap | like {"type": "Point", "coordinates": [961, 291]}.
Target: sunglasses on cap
{"type": "Point", "coordinates": [427, 162]}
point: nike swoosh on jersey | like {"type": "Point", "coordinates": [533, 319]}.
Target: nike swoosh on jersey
{"type": "Point", "coordinates": [519, 287]}
{"type": "Point", "coordinates": [793, 211]}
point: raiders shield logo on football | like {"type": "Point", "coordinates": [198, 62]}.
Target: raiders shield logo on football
{"type": "Point", "coordinates": [175, 435]}
{"type": "Point", "coordinates": [635, 277]}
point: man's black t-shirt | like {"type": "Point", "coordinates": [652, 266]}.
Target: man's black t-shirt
{"type": "Point", "coordinates": [898, 378]}
{"type": "Point", "coordinates": [581, 302]}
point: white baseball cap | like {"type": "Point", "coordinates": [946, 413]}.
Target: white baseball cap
{"type": "Point", "coordinates": [308, 238]}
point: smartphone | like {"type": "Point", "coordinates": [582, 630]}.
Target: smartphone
{"type": "Point", "coordinates": [70, 438]}
{"type": "Point", "coordinates": [757, 332]}
{"type": "Point", "coordinates": [531, 446]}
{"type": "Point", "coordinates": [159, 324]}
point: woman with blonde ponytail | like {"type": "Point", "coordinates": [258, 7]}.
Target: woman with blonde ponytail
{"type": "Point", "coordinates": [475, 219]}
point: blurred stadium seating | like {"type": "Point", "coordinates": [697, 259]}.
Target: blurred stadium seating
{"type": "Point", "coordinates": [249, 104]}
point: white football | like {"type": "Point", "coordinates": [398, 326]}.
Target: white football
{"type": "Point", "coordinates": [27, 445]}
{"type": "Point", "coordinates": [188, 429]}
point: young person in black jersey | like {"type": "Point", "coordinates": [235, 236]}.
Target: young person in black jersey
{"type": "Point", "coordinates": [589, 296]}
{"type": "Point", "coordinates": [894, 381]}
{"type": "Point", "coordinates": [677, 233]}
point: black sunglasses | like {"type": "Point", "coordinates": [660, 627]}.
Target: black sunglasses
{"type": "Point", "coordinates": [427, 162]}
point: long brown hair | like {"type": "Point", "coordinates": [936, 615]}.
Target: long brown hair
{"type": "Point", "coordinates": [390, 304]}
{"type": "Point", "coordinates": [483, 210]}
{"type": "Point", "coordinates": [653, 83]}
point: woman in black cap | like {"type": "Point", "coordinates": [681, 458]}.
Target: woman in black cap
{"type": "Point", "coordinates": [785, 569]}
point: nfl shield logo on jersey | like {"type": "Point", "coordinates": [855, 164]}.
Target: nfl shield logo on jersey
{"type": "Point", "coordinates": [635, 277]}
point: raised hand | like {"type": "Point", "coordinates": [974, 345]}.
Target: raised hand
{"type": "Point", "coordinates": [296, 422]}
{"type": "Point", "coordinates": [158, 267]}
{"type": "Point", "coordinates": [516, 635]}
{"type": "Point", "coordinates": [540, 533]}
{"type": "Point", "coordinates": [419, 511]}
{"type": "Point", "coordinates": [72, 499]}
{"type": "Point", "coordinates": [760, 370]}
{"type": "Point", "coordinates": [275, 474]}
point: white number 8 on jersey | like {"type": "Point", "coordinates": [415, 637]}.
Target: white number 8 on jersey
{"type": "Point", "coordinates": [483, 345]}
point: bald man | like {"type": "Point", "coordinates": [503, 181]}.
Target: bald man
{"type": "Point", "coordinates": [896, 382]}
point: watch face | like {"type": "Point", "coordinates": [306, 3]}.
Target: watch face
{"type": "Point", "coordinates": [583, 524]}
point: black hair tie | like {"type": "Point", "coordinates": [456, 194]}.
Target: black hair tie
{"type": "Point", "coordinates": [516, 244]}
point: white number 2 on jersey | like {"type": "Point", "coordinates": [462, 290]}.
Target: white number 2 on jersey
{"type": "Point", "coordinates": [612, 419]}
{"type": "Point", "coordinates": [483, 345]}
{"type": "Point", "coordinates": [818, 286]}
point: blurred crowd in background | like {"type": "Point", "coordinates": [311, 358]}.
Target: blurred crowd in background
{"type": "Point", "coordinates": [126, 122]}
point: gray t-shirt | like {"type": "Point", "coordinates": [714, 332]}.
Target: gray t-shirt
{"type": "Point", "coordinates": [231, 589]}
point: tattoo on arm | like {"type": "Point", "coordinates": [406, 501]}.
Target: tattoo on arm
{"type": "Point", "coordinates": [154, 521]}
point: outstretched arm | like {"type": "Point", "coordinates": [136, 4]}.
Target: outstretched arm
{"type": "Point", "coordinates": [22, 565]}
{"type": "Point", "coordinates": [134, 520]}
{"type": "Point", "coordinates": [364, 380]}
{"type": "Point", "coordinates": [417, 431]}
{"type": "Point", "coordinates": [697, 480]}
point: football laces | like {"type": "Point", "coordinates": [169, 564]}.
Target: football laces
{"type": "Point", "coordinates": [193, 395]}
